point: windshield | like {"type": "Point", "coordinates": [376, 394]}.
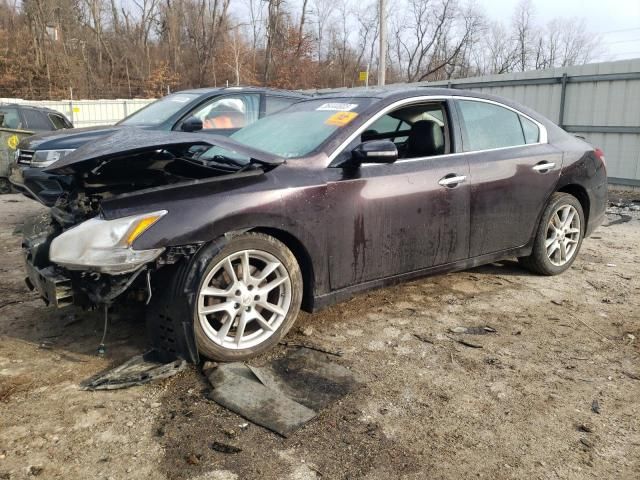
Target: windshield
{"type": "Point", "coordinates": [296, 131]}
{"type": "Point", "coordinates": [160, 110]}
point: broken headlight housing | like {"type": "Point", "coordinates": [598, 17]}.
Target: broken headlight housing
{"type": "Point", "coordinates": [105, 245]}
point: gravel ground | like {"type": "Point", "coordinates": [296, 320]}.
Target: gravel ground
{"type": "Point", "coordinates": [553, 393]}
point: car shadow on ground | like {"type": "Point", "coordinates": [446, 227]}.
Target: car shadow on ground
{"type": "Point", "coordinates": [503, 267]}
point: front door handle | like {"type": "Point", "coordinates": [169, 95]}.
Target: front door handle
{"type": "Point", "coordinates": [543, 167]}
{"type": "Point", "coordinates": [452, 180]}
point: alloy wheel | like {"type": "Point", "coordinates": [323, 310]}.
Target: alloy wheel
{"type": "Point", "coordinates": [563, 235]}
{"type": "Point", "coordinates": [244, 299]}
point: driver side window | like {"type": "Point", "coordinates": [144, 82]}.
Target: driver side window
{"type": "Point", "coordinates": [417, 130]}
{"type": "Point", "coordinates": [229, 112]}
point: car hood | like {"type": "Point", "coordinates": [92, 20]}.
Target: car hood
{"type": "Point", "coordinates": [66, 139]}
{"type": "Point", "coordinates": [134, 141]}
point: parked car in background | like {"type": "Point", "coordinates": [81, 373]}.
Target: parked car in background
{"type": "Point", "coordinates": [18, 116]}
{"type": "Point", "coordinates": [228, 238]}
{"type": "Point", "coordinates": [18, 121]}
{"type": "Point", "coordinates": [209, 110]}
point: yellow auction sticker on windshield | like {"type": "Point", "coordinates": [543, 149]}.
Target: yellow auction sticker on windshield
{"type": "Point", "coordinates": [340, 119]}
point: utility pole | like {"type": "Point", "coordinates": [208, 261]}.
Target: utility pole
{"type": "Point", "coordinates": [382, 63]}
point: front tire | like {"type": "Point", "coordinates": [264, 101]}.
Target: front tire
{"type": "Point", "coordinates": [558, 237]}
{"type": "Point", "coordinates": [248, 298]}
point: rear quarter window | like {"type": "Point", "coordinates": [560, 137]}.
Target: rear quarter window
{"type": "Point", "coordinates": [58, 121]}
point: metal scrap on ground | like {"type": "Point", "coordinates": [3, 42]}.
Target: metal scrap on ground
{"type": "Point", "coordinates": [138, 370]}
{"type": "Point", "coordinates": [284, 395]}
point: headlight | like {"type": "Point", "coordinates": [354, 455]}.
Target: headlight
{"type": "Point", "coordinates": [44, 158]}
{"type": "Point", "coordinates": [105, 245]}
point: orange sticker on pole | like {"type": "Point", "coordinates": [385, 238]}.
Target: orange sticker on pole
{"type": "Point", "coordinates": [340, 119]}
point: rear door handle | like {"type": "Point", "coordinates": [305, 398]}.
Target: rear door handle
{"type": "Point", "coordinates": [452, 180]}
{"type": "Point", "coordinates": [543, 167]}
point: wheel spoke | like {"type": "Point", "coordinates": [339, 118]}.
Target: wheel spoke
{"type": "Point", "coordinates": [272, 284]}
{"type": "Point", "coordinates": [228, 267]}
{"type": "Point", "coordinates": [214, 292]}
{"type": "Point", "coordinates": [245, 267]}
{"type": "Point", "coordinates": [552, 248]}
{"type": "Point", "coordinates": [569, 218]}
{"type": "Point", "coordinates": [563, 252]}
{"type": "Point", "coordinates": [242, 323]}
{"type": "Point", "coordinates": [267, 270]}
{"type": "Point", "coordinates": [549, 241]}
{"type": "Point", "coordinates": [218, 307]}
{"type": "Point", "coordinates": [573, 230]}
{"type": "Point", "coordinates": [555, 220]}
{"type": "Point", "coordinates": [271, 307]}
{"type": "Point", "coordinates": [261, 320]}
{"type": "Point", "coordinates": [226, 326]}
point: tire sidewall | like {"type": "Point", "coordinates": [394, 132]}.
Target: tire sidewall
{"type": "Point", "coordinates": [249, 241]}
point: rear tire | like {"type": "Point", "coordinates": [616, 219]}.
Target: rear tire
{"type": "Point", "coordinates": [248, 298]}
{"type": "Point", "coordinates": [558, 237]}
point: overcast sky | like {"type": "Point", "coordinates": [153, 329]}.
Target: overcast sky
{"type": "Point", "coordinates": [616, 21]}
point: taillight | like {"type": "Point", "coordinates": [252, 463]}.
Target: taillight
{"type": "Point", "coordinates": [600, 156]}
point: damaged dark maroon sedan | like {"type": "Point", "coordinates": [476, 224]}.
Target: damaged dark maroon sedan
{"type": "Point", "coordinates": [227, 238]}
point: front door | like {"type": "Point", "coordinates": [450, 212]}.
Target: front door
{"type": "Point", "coordinates": [387, 220]}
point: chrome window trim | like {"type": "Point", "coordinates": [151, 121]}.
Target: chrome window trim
{"type": "Point", "coordinates": [542, 139]}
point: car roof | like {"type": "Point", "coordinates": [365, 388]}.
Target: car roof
{"type": "Point", "coordinates": [220, 90]}
{"type": "Point", "coordinates": [29, 107]}
{"type": "Point", "coordinates": [393, 93]}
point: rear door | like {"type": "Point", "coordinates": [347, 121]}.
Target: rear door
{"type": "Point", "coordinates": [513, 171]}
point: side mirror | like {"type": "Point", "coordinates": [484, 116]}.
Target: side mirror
{"type": "Point", "coordinates": [191, 124]}
{"type": "Point", "coordinates": [375, 151]}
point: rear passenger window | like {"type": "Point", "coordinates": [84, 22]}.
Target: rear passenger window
{"type": "Point", "coordinates": [36, 120]}
{"type": "Point", "coordinates": [530, 130]}
{"type": "Point", "coordinates": [488, 126]}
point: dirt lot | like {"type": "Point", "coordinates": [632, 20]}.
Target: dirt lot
{"type": "Point", "coordinates": [522, 406]}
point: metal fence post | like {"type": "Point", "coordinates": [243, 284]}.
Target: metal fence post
{"type": "Point", "coordinates": [124, 105]}
{"type": "Point", "coordinates": [563, 94]}
{"type": "Point", "coordinates": [71, 111]}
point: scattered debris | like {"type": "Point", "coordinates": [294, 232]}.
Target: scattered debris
{"type": "Point", "coordinates": [284, 395]}
{"type": "Point", "coordinates": [631, 375]}
{"type": "Point", "coordinates": [193, 459]}
{"type": "Point", "coordinates": [138, 370]}
{"type": "Point", "coordinates": [422, 338]}
{"type": "Point", "coordinates": [595, 406]}
{"type": "Point", "coordinates": [586, 427]}
{"type": "Point", "coordinates": [473, 330]}
{"type": "Point", "coordinates": [225, 448]}
{"type": "Point", "coordinates": [307, 331]}
{"type": "Point", "coordinates": [586, 442]}
{"type": "Point", "coordinates": [557, 302]}
{"type": "Point", "coordinates": [465, 343]}
{"type": "Point", "coordinates": [309, 346]}
{"type": "Point", "coordinates": [35, 470]}
{"type": "Point", "coordinates": [623, 219]}
{"type": "Point", "coordinates": [11, 302]}
{"type": "Point", "coordinates": [611, 265]}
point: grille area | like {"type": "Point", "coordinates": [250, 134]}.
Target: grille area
{"type": "Point", "coordinates": [25, 157]}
